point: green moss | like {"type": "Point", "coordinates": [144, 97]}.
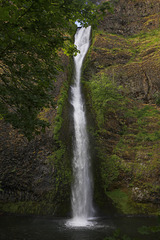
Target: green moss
{"type": "Point", "coordinates": [29, 207]}
{"type": "Point", "coordinates": [134, 160]}
{"type": "Point", "coordinates": [146, 208]}
{"type": "Point", "coordinates": [60, 106]}
{"type": "Point", "coordinates": [135, 46]}
{"type": "Point", "coordinates": [109, 170]}
{"type": "Point", "coordinates": [53, 203]}
{"type": "Point", "coordinates": [122, 201]}
{"type": "Point", "coordinates": [62, 177]}
{"type": "Point", "coordinates": [106, 97]}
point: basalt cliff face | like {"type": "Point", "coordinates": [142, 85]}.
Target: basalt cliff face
{"type": "Point", "coordinates": [122, 82]}
{"type": "Point", "coordinates": [132, 16]}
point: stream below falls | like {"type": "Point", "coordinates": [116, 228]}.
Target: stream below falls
{"type": "Point", "coordinates": [48, 228]}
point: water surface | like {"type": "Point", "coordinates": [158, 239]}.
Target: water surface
{"type": "Point", "coordinates": [48, 228]}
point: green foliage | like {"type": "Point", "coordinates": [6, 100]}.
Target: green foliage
{"type": "Point", "coordinates": [145, 136]}
{"type": "Point", "coordinates": [32, 32]}
{"type": "Point", "coordinates": [147, 230]}
{"type": "Point", "coordinates": [138, 152]}
{"type": "Point", "coordinates": [109, 170]}
{"type": "Point", "coordinates": [117, 235]}
{"type": "Point", "coordinates": [143, 116]}
{"type": "Point", "coordinates": [62, 172]}
{"type": "Point", "coordinates": [122, 201]}
{"type": "Point", "coordinates": [157, 99]}
{"type": "Point", "coordinates": [61, 102]}
{"type": "Point", "coordinates": [146, 111]}
{"type": "Point", "coordinates": [144, 230]}
{"type": "Point", "coordinates": [29, 207]}
{"type": "Point", "coordinates": [106, 97]}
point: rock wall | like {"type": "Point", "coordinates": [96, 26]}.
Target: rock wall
{"type": "Point", "coordinates": [29, 172]}
{"type": "Point", "coordinates": [25, 174]}
{"type": "Point", "coordinates": [130, 17]}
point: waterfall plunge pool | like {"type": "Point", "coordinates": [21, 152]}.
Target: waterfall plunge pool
{"type": "Point", "coordinates": [48, 228]}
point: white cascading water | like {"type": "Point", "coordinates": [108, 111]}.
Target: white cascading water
{"type": "Point", "coordinates": [82, 188]}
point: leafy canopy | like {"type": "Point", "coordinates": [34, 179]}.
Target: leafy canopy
{"type": "Point", "coordinates": [32, 32]}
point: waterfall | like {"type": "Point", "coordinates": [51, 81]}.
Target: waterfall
{"type": "Point", "coordinates": [82, 206]}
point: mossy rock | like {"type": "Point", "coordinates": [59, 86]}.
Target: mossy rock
{"type": "Point", "coordinates": [122, 200]}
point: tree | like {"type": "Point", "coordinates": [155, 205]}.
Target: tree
{"type": "Point", "coordinates": [32, 32]}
